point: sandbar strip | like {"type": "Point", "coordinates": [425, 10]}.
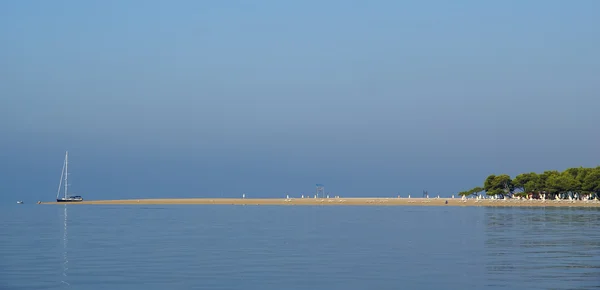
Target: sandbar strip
{"type": "Point", "coordinates": [354, 201]}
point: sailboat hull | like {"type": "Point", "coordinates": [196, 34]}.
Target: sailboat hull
{"type": "Point", "coordinates": [69, 199]}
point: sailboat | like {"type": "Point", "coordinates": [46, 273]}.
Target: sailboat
{"type": "Point", "coordinates": [65, 173]}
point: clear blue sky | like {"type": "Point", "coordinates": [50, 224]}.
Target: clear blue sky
{"type": "Point", "coordinates": [220, 98]}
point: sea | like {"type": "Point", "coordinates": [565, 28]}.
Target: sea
{"type": "Point", "coordinates": [297, 247]}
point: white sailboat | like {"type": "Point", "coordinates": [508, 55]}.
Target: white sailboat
{"type": "Point", "coordinates": [65, 173]}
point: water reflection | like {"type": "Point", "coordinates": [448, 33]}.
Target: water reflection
{"type": "Point", "coordinates": [543, 248]}
{"type": "Point", "coordinates": [65, 242]}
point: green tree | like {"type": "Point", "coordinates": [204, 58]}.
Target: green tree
{"type": "Point", "coordinates": [542, 185]}
{"type": "Point", "coordinates": [582, 173]}
{"type": "Point", "coordinates": [526, 182]}
{"type": "Point", "coordinates": [563, 184]}
{"type": "Point", "coordinates": [488, 184]}
{"type": "Point", "coordinates": [577, 182]}
{"type": "Point", "coordinates": [498, 185]}
{"type": "Point", "coordinates": [464, 193]}
{"type": "Point", "coordinates": [572, 185]}
{"type": "Point", "coordinates": [574, 172]}
{"type": "Point", "coordinates": [591, 182]}
{"type": "Point", "coordinates": [475, 190]}
{"type": "Point", "coordinates": [531, 186]}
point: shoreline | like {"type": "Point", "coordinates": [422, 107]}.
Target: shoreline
{"type": "Point", "coordinates": [353, 201]}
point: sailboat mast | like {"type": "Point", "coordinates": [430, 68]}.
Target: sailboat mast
{"type": "Point", "coordinates": [66, 171]}
{"type": "Point", "coordinates": [62, 173]}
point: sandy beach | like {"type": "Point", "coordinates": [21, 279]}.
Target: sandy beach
{"type": "Point", "coordinates": [346, 201]}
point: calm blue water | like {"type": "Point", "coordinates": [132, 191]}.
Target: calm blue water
{"type": "Point", "coordinates": [293, 247]}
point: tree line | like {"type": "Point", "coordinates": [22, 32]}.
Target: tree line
{"type": "Point", "coordinates": [576, 183]}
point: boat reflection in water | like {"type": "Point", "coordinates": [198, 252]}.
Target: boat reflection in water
{"type": "Point", "coordinates": [65, 242]}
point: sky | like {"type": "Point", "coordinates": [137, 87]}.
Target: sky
{"type": "Point", "coordinates": [268, 98]}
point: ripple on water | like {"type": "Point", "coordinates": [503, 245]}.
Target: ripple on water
{"type": "Point", "coordinates": [262, 247]}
